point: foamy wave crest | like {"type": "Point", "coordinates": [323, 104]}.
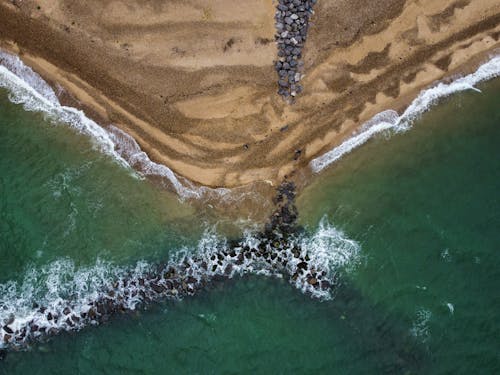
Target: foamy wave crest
{"type": "Point", "coordinates": [56, 297]}
{"type": "Point", "coordinates": [29, 89]}
{"type": "Point", "coordinates": [128, 148]}
{"type": "Point", "coordinates": [391, 121]}
{"type": "Point", "coordinates": [62, 297]}
{"type": "Point", "coordinates": [16, 66]}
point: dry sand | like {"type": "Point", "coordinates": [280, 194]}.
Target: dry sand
{"type": "Point", "coordinates": [193, 80]}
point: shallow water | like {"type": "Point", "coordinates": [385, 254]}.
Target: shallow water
{"type": "Point", "coordinates": [422, 297]}
{"type": "Point", "coordinates": [61, 197]}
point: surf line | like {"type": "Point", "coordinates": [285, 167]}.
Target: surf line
{"type": "Point", "coordinates": [391, 121]}
{"type": "Point", "coordinates": [280, 250]}
{"type": "Point", "coordinates": [28, 88]}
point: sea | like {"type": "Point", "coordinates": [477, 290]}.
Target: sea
{"type": "Point", "coordinates": [405, 214]}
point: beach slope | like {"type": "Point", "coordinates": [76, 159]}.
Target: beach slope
{"type": "Point", "coordinates": [193, 81]}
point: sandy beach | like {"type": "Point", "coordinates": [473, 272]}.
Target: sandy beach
{"type": "Point", "coordinates": [193, 81]}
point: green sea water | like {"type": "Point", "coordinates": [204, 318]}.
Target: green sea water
{"type": "Point", "coordinates": [421, 299]}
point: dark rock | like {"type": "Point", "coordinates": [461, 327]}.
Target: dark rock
{"type": "Point", "coordinates": [157, 288]}
{"type": "Point", "coordinates": [8, 329]}
{"type": "Point", "coordinates": [312, 281]}
{"type": "Point", "coordinates": [297, 154]}
{"type": "Point", "coordinates": [101, 309]}
{"type": "Point", "coordinates": [283, 83]}
{"type": "Point", "coordinates": [302, 266]}
{"type": "Point", "coordinates": [92, 314]}
{"type": "Point", "coordinates": [325, 284]}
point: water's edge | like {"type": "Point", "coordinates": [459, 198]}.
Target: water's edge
{"type": "Point", "coordinates": [391, 121]}
{"type": "Point", "coordinates": [26, 87]}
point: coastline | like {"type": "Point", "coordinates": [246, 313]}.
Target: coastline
{"type": "Point", "coordinates": [322, 118]}
{"type": "Point", "coordinates": [390, 120]}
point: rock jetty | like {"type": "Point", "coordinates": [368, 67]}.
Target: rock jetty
{"type": "Point", "coordinates": [292, 20]}
{"type": "Point", "coordinates": [276, 251]}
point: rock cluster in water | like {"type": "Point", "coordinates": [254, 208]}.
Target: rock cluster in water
{"type": "Point", "coordinates": [275, 252]}
{"type": "Point", "coordinates": [292, 18]}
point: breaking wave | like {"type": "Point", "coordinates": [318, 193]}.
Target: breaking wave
{"type": "Point", "coordinates": [26, 87]}
{"type": "Point", "coordinates": [390, 120]}
{"type": "Point", "coordinates": [63, 297]}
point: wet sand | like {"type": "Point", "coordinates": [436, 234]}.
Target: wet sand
{"type": "Point", "coordinates": [193, 81]}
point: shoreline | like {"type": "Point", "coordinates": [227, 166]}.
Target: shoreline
{"type": "Point", "coordinates": [463, 56]}
{"type": "Point", "coordinates": [387, 119]}
{"type": "Point", "coordinates": [391, 120]}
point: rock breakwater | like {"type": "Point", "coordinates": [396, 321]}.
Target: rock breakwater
{"type": "Point", "coordinates": [280, 250]}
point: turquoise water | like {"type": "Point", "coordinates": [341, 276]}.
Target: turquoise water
{"type": "Point", "coordinates": [60, 197]}
{"type": "Point", "coordinates": [422, 297]}
{"type": "Point", "coordinates": [426, 209]}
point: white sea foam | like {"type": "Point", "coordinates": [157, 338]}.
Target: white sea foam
{"type": "Point", "coordinates": [391, 121]}
{"type": "Point", "coordinates": [16, 66]}
{"type": "Point", "coordinates": [450, 307]}
{"type": "Point", "coordinates": [41, 98]}
{"type": "Point", "coordinates": [56, 286]}
{"type": "Point", "coordinates": [26, 87]}
{"type": "Point", "coordinates": [60, 295]}
{"type": "Point", "coordinates": [128, 148]}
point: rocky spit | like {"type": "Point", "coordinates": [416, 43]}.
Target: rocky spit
{"type": "Point", "coordinates": [276, 251]}
{"type": "Point", "coordinates": [292, 20]}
